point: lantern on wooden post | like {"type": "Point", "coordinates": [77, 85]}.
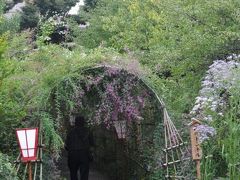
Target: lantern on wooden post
{"type": "Point", "coordinates": [121, 129]}
{"type": "Point", "coordinates": [28, 144]}
{"type": "Point", "coordinates": [196, 149]}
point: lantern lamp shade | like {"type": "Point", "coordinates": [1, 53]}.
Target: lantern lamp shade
{"type": "Point", "coordinates": [121, 129]}
{"type": "Point", "coordinates": [28, 143]}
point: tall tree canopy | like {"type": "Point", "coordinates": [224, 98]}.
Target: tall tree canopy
{"type": "Point", "coordinates": [90, 4]}
{"type": "Point", "coordinates": [54, 6]}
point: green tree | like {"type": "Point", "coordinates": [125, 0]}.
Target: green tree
{"type": "Point", "coordinates": [54, 6]}
{"type": "Point", "coordinates": [96, 34]}
{"type": "Point", "coordinates": [90, 4]}
{"type": "Point", "coordinates": [29, 17]}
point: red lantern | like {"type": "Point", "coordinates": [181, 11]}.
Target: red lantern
{"type": "Point", "coordinates": [28, 143]}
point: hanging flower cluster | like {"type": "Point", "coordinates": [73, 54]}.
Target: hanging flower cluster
{"type": "Point", "coordinates": [213, 97]}
{"type": "Point", "coordinates": [119, 94]}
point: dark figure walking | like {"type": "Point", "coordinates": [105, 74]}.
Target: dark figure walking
{"type": "Point", "coordinates": [78, 143]}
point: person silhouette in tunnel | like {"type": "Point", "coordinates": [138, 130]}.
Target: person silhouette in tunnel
{"type": "Point", "coordinates": [78, 143]}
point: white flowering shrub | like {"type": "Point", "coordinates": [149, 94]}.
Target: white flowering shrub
{"type": "Point", "coordinates": [213, 97]}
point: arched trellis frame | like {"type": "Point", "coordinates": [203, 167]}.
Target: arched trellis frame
{"type": "Point", "coordinates": [174, 148]}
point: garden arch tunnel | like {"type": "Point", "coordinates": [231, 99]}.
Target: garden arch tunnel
{"type": "Point", "coordinates": [129, 120]}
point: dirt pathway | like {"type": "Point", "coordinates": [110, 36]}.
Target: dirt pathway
{"type": "Point", "coordinates": [93, 174]}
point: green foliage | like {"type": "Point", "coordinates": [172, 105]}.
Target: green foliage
{"type": "Point", "coordinates": [3, 45]}
{"type": "Point", "coordinates": [29, 17]}
{"type": "Point", "coordinates": [2, 6]}
{"type": "Point", "coordinates": [46, 28]}
{"type": "Point", "coordinates": [52, 7]}
{"type": "Point", "coordinates": [6, 168]}
{"type": "Point", "coordinates": [95, 35]}
{"type": "Point", "coordinates": [230, 143]}
{"type": "Point", "coordinates": [175, 25]}
{"type": "Point", "coordinates": [6, 25]}
{"type": "Point", "coordinates": [223, 152]}
{"type": "Point", "coordinates": [11, 25]}
{"type": "Point", "coordinates": [19, 46]}
{"type": "Point", "coordinates": [12, 108]}
{"type": "Point", "coordinates": [53, 30]}
{"type": "Point", "coordinates": [90, 4]}
{"type": "Point", "coordinates": [52, 138]}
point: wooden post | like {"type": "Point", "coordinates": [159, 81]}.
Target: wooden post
{"type": "Point", "coordinates": [198, 168]}
{"type": "Point", "coordinates": [29, 170]}
{"type": "Point", "coordinates": [196, 149]}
